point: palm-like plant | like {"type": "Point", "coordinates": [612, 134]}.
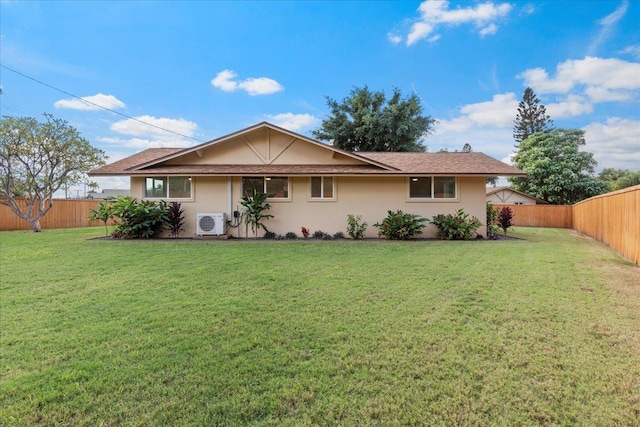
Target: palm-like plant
{"type": "Point", "coordinates": [254, 208]}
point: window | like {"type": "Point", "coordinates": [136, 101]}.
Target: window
{"type": "Point", "coordinates": [437, 187]}
{"type": "Point", "coordinates": [322, 187]}
{"type": "Point", "coordinates": [277, 187]}
{"type": "Point", "coordinates": [420, 187]}
{"type": "Point", "coordinates": [171, 187]}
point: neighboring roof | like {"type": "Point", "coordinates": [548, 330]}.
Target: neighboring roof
{"type": "Point", "coordinates": [153, 161]}
{"type": "Point", "coordinates": [494, 190]}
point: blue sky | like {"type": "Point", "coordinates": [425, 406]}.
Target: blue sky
{"type": "Point", "coordinates": [206, 69]}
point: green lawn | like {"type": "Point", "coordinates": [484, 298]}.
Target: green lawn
{"type": "Point", "coordinates": [544, 330]}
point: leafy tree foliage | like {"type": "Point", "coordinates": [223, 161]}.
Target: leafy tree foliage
{"type": "Point", "coordinates": [557, 171]}
{"type": "Point", "coordinates": [531, 118]}
{"type": "Point", "coordinates": [37, 159]}
{"type": "Point", "coordinates": [367, 121]}
{"type": "Point", "coordinates": [617, 179]}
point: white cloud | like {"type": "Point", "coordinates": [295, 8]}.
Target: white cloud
{"type": "Point", "coordinates": [499, 112]}
{"type": "Point", "coordinates": [293, 122]}
{"type": "Point", "coordinates": [394, 38]}
{"type": "Point", "coordinates": [89, 103]}
{"type": "Point", "coordinates": [607, 23]}
{"type": "Point", "coordinates": [609, 73]}
{"type": "Point", "coordinates": [573, 105]}
{"type": "Point", "coordinates": [600, 94]}
{"type": "Point", "coordinates": [614, 143]}
{"type": "Point", "coordinates": [633, 50]}
{"type": "Point", "coordinates": [149, 131]}
{"type": "Point", "coordinates": [226, 81]}
{"type": "Point", "coordinates": [490, 30]}
{"type": "Point", "coordinates": [434, 13]}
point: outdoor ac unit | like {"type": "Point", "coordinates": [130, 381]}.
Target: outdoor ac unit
{"type": "Point", "coordinates": [211, 224]}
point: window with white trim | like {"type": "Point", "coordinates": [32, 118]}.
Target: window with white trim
{"type": "Point", "coordinates": [277, 187]}
{"type": "Point", "coordinates": [322, 187]}
{"type": "Point", "coordinates": [433, 187]}
{"type": "Point", "coordinates": [167, 187]}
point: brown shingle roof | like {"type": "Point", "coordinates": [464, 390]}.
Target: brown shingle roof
{"type": "Point", "coordinates": [404, 163]}
{"type": "Point", "coordinates": [123, 166]}
{"type": "Point", "coordinates": [444, 163]}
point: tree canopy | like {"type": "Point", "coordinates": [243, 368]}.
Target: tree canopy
{"type": "Point", "coordinates": [531, 118]}
{"type": "Point", "coordinates": [557, 171]}
{"type": "Point", "coordinates": [367, 121]}
{"type": "Point", "coordinates": [617, 179]}
{"type": "Point", "coordinates": [37, 159]}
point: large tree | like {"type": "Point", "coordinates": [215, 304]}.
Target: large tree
{"type": "Point", "coordinates": [39, 158]}
{"type": "Point", "coordinates": [557, 171]}
{"type": "Point", "coordinates": [367, 121]}
{"type": "Point", "coordinates": [617, 179]}
{"type": "Point", "coordinates": [531, 118]}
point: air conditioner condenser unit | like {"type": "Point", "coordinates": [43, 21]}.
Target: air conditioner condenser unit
{"type": "Point", "coordinates": [211, 224]}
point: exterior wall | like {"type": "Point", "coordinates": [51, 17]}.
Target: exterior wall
{"type": "Point", "coordinates": [370, 197]}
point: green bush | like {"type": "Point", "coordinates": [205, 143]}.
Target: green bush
{"type": "Point", "coordinates": [291, 235]}
{"type": "Point", "coordinates": [319, 234]}
{"type": "Point", "coordinates": [104, 213]}
{"type": "Point", "coordinates": [400, 226]}
{"type": "Point", "coordinates": [253, 213]}
{"type": "Point", "coordinates": [492, 217]}
{"type": "Point", "coordinates": [355, 226]}
{"type": "Point", "coordinates": [338, 235]}
{"type": "Point", "coordinates": [456, 227]}
{"type": "Point", "coordinates": [138, 219]}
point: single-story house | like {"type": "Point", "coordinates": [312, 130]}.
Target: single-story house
{"type": "Point", "coordinates": [310, 184]}
{"type": "Point", "coordinates": [107, 193]}
{"type": "Point", "coordinates": [509, 196]}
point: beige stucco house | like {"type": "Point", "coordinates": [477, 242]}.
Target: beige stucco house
{"type": "Point", "coordinates": [509, 196]}
{"type": "Point", "coordinates": [311, 184]}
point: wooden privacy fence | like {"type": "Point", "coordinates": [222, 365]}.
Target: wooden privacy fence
{"type": "Point", "coordinates": [65, 213]}
{"type": "Point", "coordinates": [613, 219]}
{"type": "Point", "coordinates": [553, 216]}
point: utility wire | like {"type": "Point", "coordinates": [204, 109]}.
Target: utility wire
{"type": "Point", "coordinates": [100, 106]}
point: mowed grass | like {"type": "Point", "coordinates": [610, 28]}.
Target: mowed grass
{"type": "Point", "coordinates": [543, 330]}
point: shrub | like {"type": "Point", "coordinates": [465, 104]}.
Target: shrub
{"type": "Point", "coordinates": [269, 235]}
{"type": "Point", "coordinates": [456, 227]}
{"type": "Point", "coordinates": [175, 219]}
{"type": "Point", "coordinates": [355, 226]}
{"type": "Point", "coordinates": [400, 226]}
{"type": "Point", "coordinates": [319, 234]}
{"type": "Point", "coordinates": [136, 220]}
{"type": "Point", "coordinates": [305, 232]}
{"type": "Point", "coordinates": [327, 236]}
{"type": "Point", "coordinates": [338, 235]}
{"type": "Point", "coordinates": [291, 235]}
{"type": "Point", "coordinates": [104, 213]}
{"type": "Point", "coordinates": [492, 217]}
{"type": "Point", "coordinates": [504, 219]}
{"type": "Point", "coordinates": [253, 215]}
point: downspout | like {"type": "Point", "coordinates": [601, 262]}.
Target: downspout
{"type": "Point", "coordinates": [229, 198]}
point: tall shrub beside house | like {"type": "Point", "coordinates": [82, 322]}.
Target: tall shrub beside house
{"type": "Point", "coordinates": [254, 214]}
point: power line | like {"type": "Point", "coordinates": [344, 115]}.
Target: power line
{"type": "Point", "coordinates": [100, 106]}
